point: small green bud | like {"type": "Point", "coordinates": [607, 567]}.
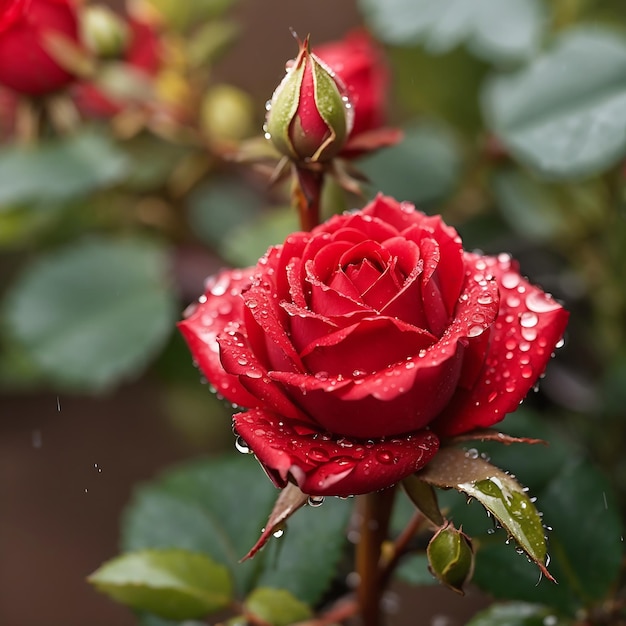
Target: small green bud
{"type": "Point", "coordinates": [310, 116]}
{"type": "Point", "coordinates": [451, 557]}
{"type": "Point", "coordinates": [104, 32]}
{"type": "Point", "coordinates": [226, 114]}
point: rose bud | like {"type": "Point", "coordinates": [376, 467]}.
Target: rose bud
{"type": "Point", "coordinates": [26, 30]}
{"type": "Point", "coordinates": [104, 32]}
{"type": "Point", "coordinates": [359, 345]}
{"type": "Point", "coordinates": [140, 60]}
{"type": "Point", "coordinates": [310, 116]}
{"type": "Point", "coordinates": [451, 557]}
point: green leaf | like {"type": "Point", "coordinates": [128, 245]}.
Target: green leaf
{"type": "Point", "coordinates": [497, 491]}
{"type": "Point", "coordinates": [59, 170]}
{"type": "Point", "coordinates": [423, 168]}
{"type": "Point", "coordinates": [219, 207]}
{"type": "Point", "coordinates": [517, 614]}
{"type": "Point", "coordinates": [219, 506]}
{"type": "Point", "coordinates": [276, 607]}
{"type": "Point", "coordinates": [249, 241]}
{"type": "Point", "coordinates": [305, 559]}
{"type": "Point", "coordinates": [173, 584]}
{"type": "Point", "coordinates": [94, 312]}
{"type": "Point", "coordinates": [585, 556]}
{"type": "Point", "coordinates": [503, 31]}
{"type": "Point", "coordinates": [563, 114]}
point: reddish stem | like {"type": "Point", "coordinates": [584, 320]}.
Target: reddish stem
{"type": "Point", "coordinates": [305, 195]}
{"type": "Point", "coordinates": [374, 525]}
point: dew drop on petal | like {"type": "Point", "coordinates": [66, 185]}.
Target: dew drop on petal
{"type": "Point", "coordinates": [527, 371]}
{"type": "Point", "coordinates": [241, 445]}
{"type": "Point", "coordinates": [528, 319]}
{"type": "Point", "coordinates": [315, 501]}
{"type": "Point", "coordinates": [318, 455]}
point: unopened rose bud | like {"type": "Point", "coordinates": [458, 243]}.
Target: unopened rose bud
{"type": "Point", "coordinates": [310, 116]}
{"type": "Point", "coordinates": [104, 32]}
{"type": "Point", "coordinates": [451, 557]}
{"type": "Point", "coordinates": [226, 114]}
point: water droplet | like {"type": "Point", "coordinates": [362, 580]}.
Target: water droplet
{"type": "Point", "coordinates": [527, 371]}
{"type": "Point", "coordinates": [277, 534]}
{"type": "Point", "coordinates": [318, 455]}
{"type": "Point", "coordinates": [492, 396]}
{"type": "Point", "coordinates": [513, 301]}
{"type": "Point", "coordinates": [474, 331]}
{"type": "Point", "coordinates": [485, 299]}
{"type": "Point", "coordinates": [386, 457]}
{"type": "Point", "coordinates": [528, 319]}
{"type": "Point", "coordinates": [315, 501]}
{"type": "Point", "coordinates": [472, 453]}
{"type": "Point", "coordinates": [241, 445]}
{"type": "Point", "coordinates": [520, 550]}
{"type": "Point", "coordinates": [268, 105]}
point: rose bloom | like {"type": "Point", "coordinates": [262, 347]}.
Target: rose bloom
{"type": "Point", "coordinates": [143, 56]}
{"type": "Point", "coordinates": [358, 346]}
{"type": "Point", "coordinates": [26, 66]}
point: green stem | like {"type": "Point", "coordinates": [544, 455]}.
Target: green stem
{"type": "Point", "coordinates": [376, 512]}
{"type": "Point", "coordinates": [305, 195]}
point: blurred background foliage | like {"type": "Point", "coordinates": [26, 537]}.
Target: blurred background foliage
{"type": "Point", "coordinates": [514, 114]}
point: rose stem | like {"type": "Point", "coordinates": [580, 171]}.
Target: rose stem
{"type": "Point", "coordinates": [305, 195]}
{"type": "Point", "coordinates": [376, 511]}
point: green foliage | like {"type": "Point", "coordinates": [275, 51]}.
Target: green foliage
{"type": "Point", "coordinates": [94, 312]}
{"type": "Point", "coordinates": [517, 614]}
{"type": "Point", "coordinates": [276, 607]}
{"type": "Point", "coordinates": [424, 168]}
{"type": "Point", "coordinates": [499, 32]}
{"type": "Point", "coordinates": [172, 583]}
{"type": "Point", "coordinates": [563, 114]}
{"type": "Point", "coordinates": [218, 507]}
{"type": "Point", "coordinates": [59, 170]}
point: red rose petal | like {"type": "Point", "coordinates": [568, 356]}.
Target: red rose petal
{"type": "Point", "coordinates": [372, 344]}
{"type": "Point", "coordinates": [411, 392]}
{"type": "Point", "coordinates": [220, 306]}
{"type": "Point", "coordinates": [321, 465]}
{"type": "Point", "coordinates": [238, 359]}
{"type": "Point", "coordinates": [529, 325]}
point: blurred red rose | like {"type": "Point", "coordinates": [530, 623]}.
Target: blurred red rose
{"type": "Point", "coordinates": [142, 59]}
{"type": "Point", "coordinates": [26, 65]}
{"type": "Point", "coordinates": [358, 62]}
{"type": "Point", "coordinates": [357, 346]}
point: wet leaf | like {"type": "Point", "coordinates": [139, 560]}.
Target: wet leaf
{"type": "Point", "coordinates": [565, 123]}
{"type": "Point", "coordinates": [276, 607]}
{"type": "Point", "coordinates": [218, 507]}
{"type": "Point", "coordinates": [173, 584]}
{"type": "Point", "coordinates": [94, 312]}
{"type": "Point", "coordinates": [517, 614]}
{"type": "Point", "coordinates": [59, 170]}
{"type": "Point", "coordinates": [500, 32]}
{"type": "Point", "coordinates": [585, 556]}
{"type": "Point", "coordinates": [497, 491]}
{"type": "Point", "coordinates": [424, 498]}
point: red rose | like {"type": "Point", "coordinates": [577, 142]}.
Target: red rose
{"type": "Point", "coordinates": [26, 66]}
{"type": "Point", "coordinates": [357, 346]}
{"type": "Point", "coordinates": [358, 62]}
{"type": "Point", "coordinates": [143, 55]}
